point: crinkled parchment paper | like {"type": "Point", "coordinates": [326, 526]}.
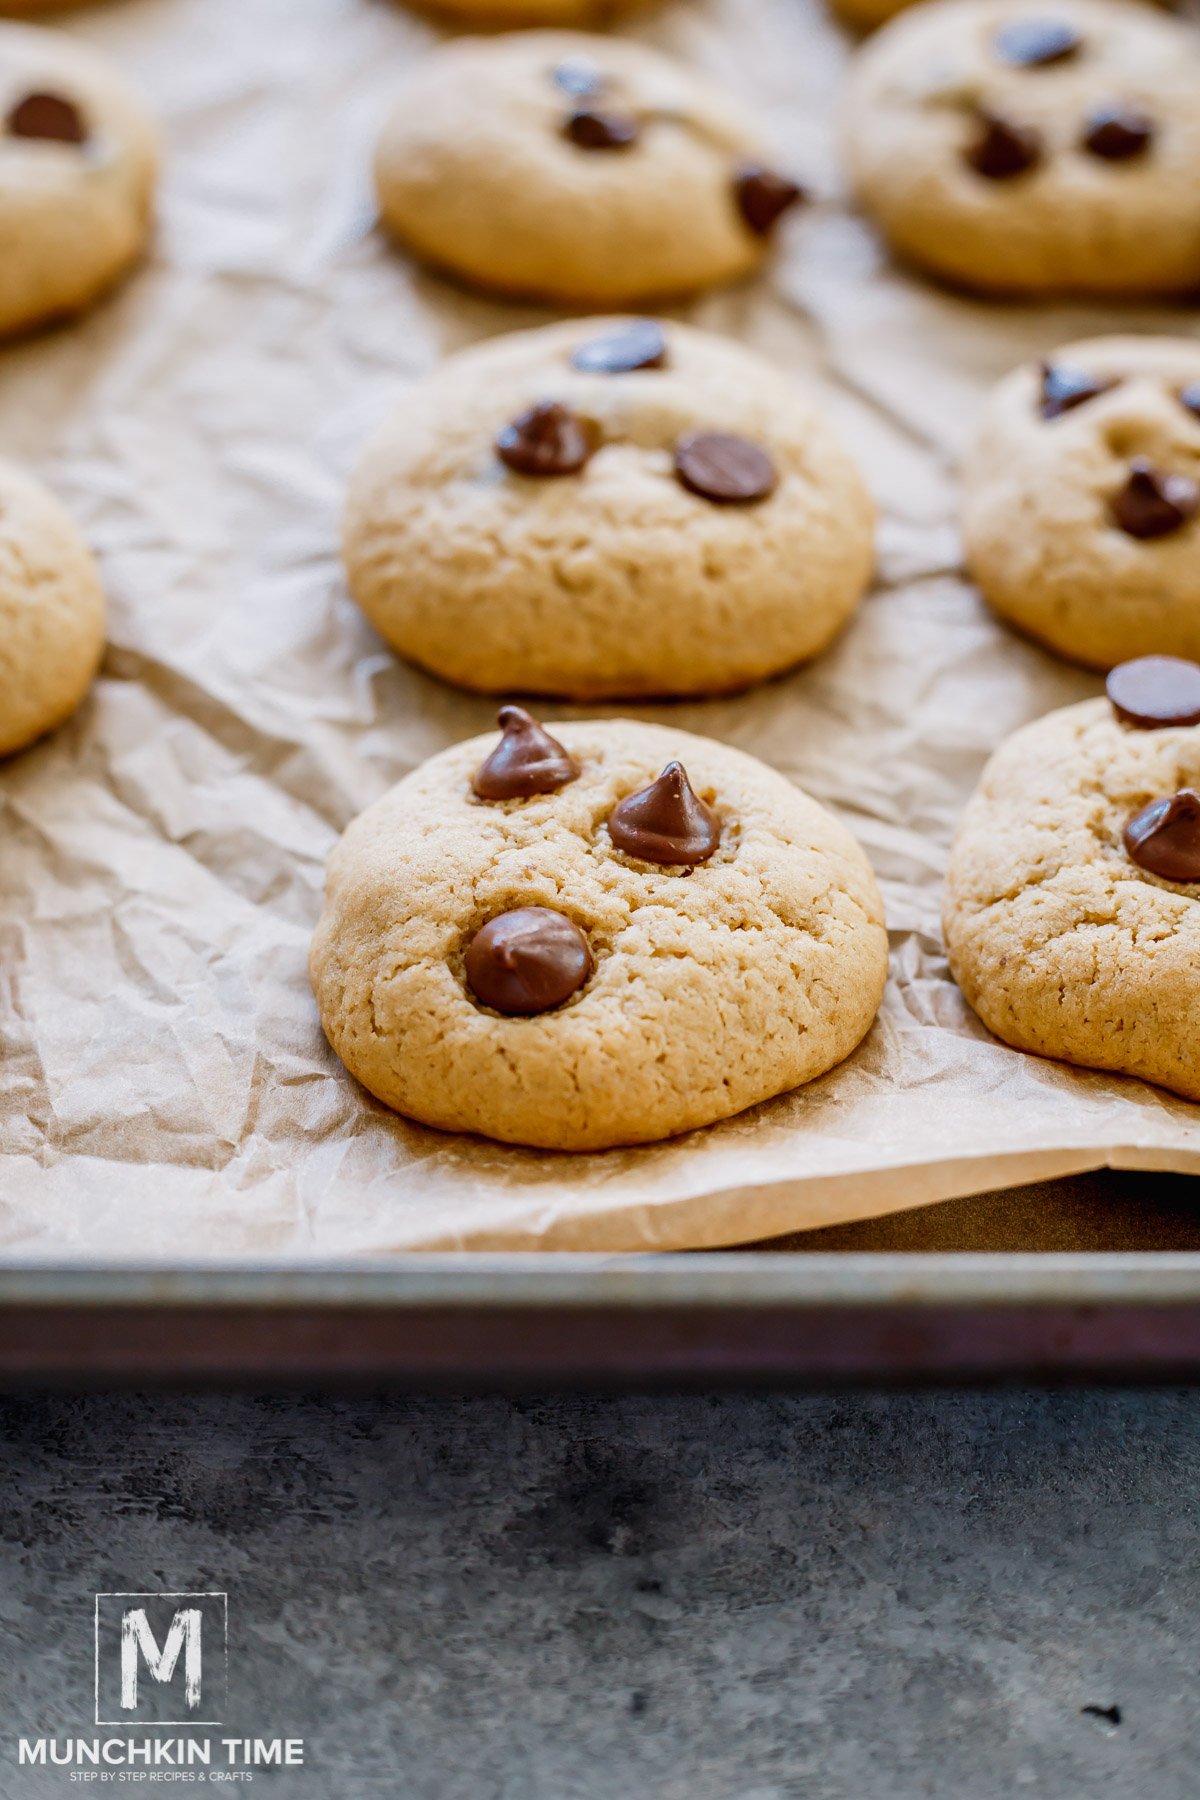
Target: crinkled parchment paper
{"type": "Point", "coordinates": [165, 1089]}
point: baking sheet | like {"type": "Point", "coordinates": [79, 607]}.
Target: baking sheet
{"type": "Point", "coordinates": [165, 1089]}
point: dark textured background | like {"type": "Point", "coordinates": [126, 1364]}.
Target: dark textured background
{"type": "Point", "coordinates": [730, 1598]}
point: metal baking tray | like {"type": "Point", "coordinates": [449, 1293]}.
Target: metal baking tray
{"type": "Point", "coordinates": [1098, 1276]}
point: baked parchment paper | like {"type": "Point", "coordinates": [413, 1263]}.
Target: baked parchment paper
{"type": "Point", "coordinates": [165, 1089]}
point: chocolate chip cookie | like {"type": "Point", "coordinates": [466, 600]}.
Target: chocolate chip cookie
{"type": "Point", "coordinates": [1072, 911]}
{"type": "Point", "coordinates": [1081, 504]}
{"type": "Point", "coordinates": [583, 170]}
{"type": "Point", "coordinates": [594, 934]}
{"type": "Point", "coordinates": [51, 612]}
{"type": "Point", "coordinates": [607, 507]}
{"type": "Point", "coordinates": [78, 161]}
{"type": "Point", "coordinates": [1034, 146]}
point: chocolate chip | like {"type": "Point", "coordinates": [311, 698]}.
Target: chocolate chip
{"type": "Point", "coordinates": [1001, 149]}
{"type": "Point", "coordinates": [592, 129]}
{"type": "Point", "coordinates": [762, 196]}
{"type": "Point", "coordinates": [576, 75]}
{"type": "Point", "coordinates": [1118, 132]}
{"type": "Point", "coordinates": [527, 760]}
{"type": "Point", "coordinates": [1165, 836]}
{"type": "Point", "coordinates": [47, 116]}
{"type": "Point", "coordinates": [666, 822]}
{"type": "Point", "coordinates": [1190, 397]}
{"type": "Point", "coordinates": [1035, 43]}
{"type": "Point", "coordinates": [1154, 691]}
{"type": "Point", "coordinates": [1153, 503]}
{"type": "Point", "coordinates": [549, 439]}
{"type": "Point", "coordinates": [642, 344]}
{"type": "Point", "coordinates": [1064, 387]}
{"type": "Point", "coordinates": [729, 470]}
{"type": "Point", "coordinates": [527, 961]}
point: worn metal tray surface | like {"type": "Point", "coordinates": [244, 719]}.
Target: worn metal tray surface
{"type": "Point", "coordinates": [1107, 1284]}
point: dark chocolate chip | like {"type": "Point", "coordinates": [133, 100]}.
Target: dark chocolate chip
{"type": "Point", "coordinates": [1001, 149]}
{"type": "Point", "coordinates": [1154, 691]}
{"type": "Point", "coordinates": [549, 439]}
{"type": "Point", "coordinates": [527, 961]}
{"type": "Point", "coordinates": [1118, 132]}
{"type": "Point", "coordinates": [666, 822]}
{"type": "Point", "coordinates": [1165, 836]}
{"type": "Point", "coordinates": [1190, 397]}
{"type": "Point", "coordinates": [1154, 503]}
{"type": "Point", "coordinates": [527, 760]}
{"type": "Point", "coordinates": [576, 75]}
{"type": "Point", "coordinates": [729, 470]}
{"type": "Point", "coordinates": [762, 196]}
{"type": "Point", "coordinates": [642, 344]}
{"type": "Point", "coordinates": [592, 129]}
{"type": "Point", "coordinates": [1036, 43]}
{"type": "Point", "coordinates": [48, 116]}
{"type": "Point", "coordinates": [1064, 387]}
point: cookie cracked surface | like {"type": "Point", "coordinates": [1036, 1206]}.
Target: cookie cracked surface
{"type": "Point", "coordinates": [756, 971]}
{"type": "Point", "coordinates": [1063, 945]}
{"type": "Point", "coordinates": [589, 171]}
{"type": "Point", "coordinates": [1046, 489]}
{"type": "Point", "coordinates": [999, 161]}
{"type": "Point", "coordinates": [614, 578]}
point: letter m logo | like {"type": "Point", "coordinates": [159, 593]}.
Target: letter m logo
{"type": "Point", "coordinates": [138, 1641]}
{"type": "Point", "coordinates": [161, 1658]}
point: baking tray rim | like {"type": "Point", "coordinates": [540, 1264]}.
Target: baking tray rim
{"type": "Point", "coordinates": [544, 1280]}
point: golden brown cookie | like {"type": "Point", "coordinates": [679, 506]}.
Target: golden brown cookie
{"type": "Point", "coordinates": [487, 15]}
{"type": "Point", "coordinates": [78, 162]}
{"type": "Point", "coordinates": [576, 169]}
{"type": "Point", "coordinates": [1033, 146]}
{"type": "Point", "coordinates": [1081, 499]}
{"type": "Point", "coordinates": [51, 612]}
{"type": "Point", "coordinates": [1072, 910]}
{"type": "Point", "coordinates": [628, 934]}
{"type": "Point", "coordinates": [608, 507]}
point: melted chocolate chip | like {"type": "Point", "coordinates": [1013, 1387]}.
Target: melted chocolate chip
{"type": "Point", "coordinates": [1153, 503]}
{"type": "Point", "coordinates": [1001, 149]}
{"type": "Point", "coordinates": [527, 961]}
{"type": "Point", "coordinates": [527, 760]}
{"type": "Point", "coordinates": [762, 196]}
{"type": "Point", "coordinates": [549, 439]}
{"type": "Point", "coordinates": [50, 116]}
{"type": "Point", "coordinates": [1154, 691]}
{"type": "Point", "coordinates": [576, 75]}
{"type": "Point", "coordinates": [1190, 397]}
{"type": "Point", "coordinates": [1064, 387]}
{"type": "Point", "coordinates": [1118, 132]}
{"type": "Point", "coordinates": [1165, 837]}
{"type": "Point", "coordinates": [642, 344]}
{"type": "Point", "coordinates": [729, 470]}
{"type": "Point", "coordinates": [592, 129]}
{"type": "Point", "coordinates": [666, 822]}
{"type": "Point", "coordinates": [1036, 43]}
